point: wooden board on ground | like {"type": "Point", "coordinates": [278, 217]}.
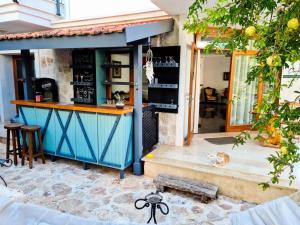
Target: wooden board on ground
{"type": "Point", "coordinates": [204, 190]}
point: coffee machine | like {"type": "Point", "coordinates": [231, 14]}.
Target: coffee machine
{"type": "Point", "coordinates": [45, 90]}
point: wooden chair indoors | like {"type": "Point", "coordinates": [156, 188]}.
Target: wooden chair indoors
{"type": "Point", "coordinates": [210, 95]}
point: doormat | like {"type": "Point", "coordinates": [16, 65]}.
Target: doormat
{"type": "Point", "coordinates": [220, 140]}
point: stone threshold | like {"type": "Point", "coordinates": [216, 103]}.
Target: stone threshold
{"type": "Point", "coordinates": [235, 184]}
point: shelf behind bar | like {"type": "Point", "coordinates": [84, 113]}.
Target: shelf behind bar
{"type": "Point", "coordinates": [166, 66]}
{"type": "Point", "coordinates": [81, 100]}
{"type": "Point", "coordinates": [170, 86]}
{"type": "Point", "coordinates": [82, 66]}
{"type": "Point", "coordinates": [116, 66]}
{"type": "Point", "coordinates": [164, 106]}
{"type": "Point", "coordinates": [118, 83]}
{"type": "Point", "coordinates": [81, 83]}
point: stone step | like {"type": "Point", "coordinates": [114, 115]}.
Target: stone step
{"type": "Point", "coordinates": [235, 184]}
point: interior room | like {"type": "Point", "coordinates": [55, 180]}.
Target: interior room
{"type": "Point", "coordinates": [214, 73]}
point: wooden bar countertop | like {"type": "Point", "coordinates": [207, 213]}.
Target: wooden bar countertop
{"type": "Point", "coordinates": [75, 107]}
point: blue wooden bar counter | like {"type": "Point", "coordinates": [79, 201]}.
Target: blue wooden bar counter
{"type": "Point", "coordinates": [90, 134]}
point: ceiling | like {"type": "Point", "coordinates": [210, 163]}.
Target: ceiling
{"type": "Point", "coordinates": [174, 7]}
{"type": "Point", "coordinates": [16, 26]}
{"type": "Point", "coordinates": [178, 7]}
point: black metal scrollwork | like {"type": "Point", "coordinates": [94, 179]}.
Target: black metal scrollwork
{"type": "Point", "coordinates": [5, 163]}
{"type": "Point", "coordinates": [153, 200]}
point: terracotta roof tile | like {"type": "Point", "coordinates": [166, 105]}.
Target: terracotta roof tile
{"type": "Point", "coordinates": [79, 31]}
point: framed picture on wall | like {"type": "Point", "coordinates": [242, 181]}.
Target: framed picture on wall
{"type": "Point", "coordinates": [226, 75]}
{"type": "Point", "coordinates": [116, 71]}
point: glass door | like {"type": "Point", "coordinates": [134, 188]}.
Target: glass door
{"type": "Point", "coordinates": [242, 96]}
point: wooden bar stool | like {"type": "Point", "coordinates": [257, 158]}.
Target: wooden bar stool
{"type": "Point", "coordinates": [29, 144]}
{"type": "Point", "coordinates": [13, 129]}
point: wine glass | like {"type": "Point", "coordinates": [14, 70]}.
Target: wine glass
{"type": "Point", "coordinates": [159, 62]}
{"type": "Point", "coordinates": [154, 60]}
{"type": "Point", "coordinates": [167, 61]}
{"type": "Point", "coordinates": [172, 61]}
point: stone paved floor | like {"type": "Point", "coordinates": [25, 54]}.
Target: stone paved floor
{"type": "Point", "coordinates": [97, 193]}
{"type": "Point", "coordinates": [2, 131]}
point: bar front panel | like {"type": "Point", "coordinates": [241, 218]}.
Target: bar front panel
{"type": "Point", "coordinates": [95, 138]}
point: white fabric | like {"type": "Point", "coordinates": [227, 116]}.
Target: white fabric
{"type": "Point", "coordinates": [10, 193]}
{"type": "Point", "coordinates": [18, 213]}
{"type": "Point", "coordinates": [282, 211]}
{"type": "Point", "coordinates": [244, 95]}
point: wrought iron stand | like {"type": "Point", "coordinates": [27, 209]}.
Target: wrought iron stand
{"type": "Point", "coordinates": [155, 201]}
{"type": "Point", "coordinates": [5, 163]}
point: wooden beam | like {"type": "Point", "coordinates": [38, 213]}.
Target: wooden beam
{"type": "Point", "coordinates": [97, 41]}
{"type": "Point", "coordinates": [135, 33]}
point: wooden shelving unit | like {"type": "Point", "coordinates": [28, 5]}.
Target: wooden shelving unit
{"type": "Point", "coordinates": [164, 93]}
{"type": "Point", "coordinates": [117, 83]}
{"type": "Point", "coordinates": [84, 77]}
{"type": "Point", "coordinates": [109, 82]}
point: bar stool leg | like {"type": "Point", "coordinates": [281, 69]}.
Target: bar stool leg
{"type": "Point", "coordinates": [30, 149]}
{"type": "Point", "coordinates": [7, 143]}
{"type": "Point", "coordinates": [41, 146]}
{"type": "Point", "coordinates": [35, 150]}
{"type": "Point", "coordinates": [19, 144]}
{"type": "Point", "coordinates": [14, 147]}
{"type": "Point", "coordinates": [24, 147]}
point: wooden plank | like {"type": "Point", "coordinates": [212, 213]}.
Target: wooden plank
{"type": "Point", "coordinates": [75, 107]}
{"type": "Point", "coordinates": [49, 141]}
{"type": "Point", "coordinates": [207, 191]}
{"type": "Point", "coordinates": [85, 152]}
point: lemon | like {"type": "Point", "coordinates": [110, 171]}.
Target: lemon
{"type": "Point", "coordinates": [270, 60]}
{"type": "Point", "coordinates": [250, 31]}
{"type": "Point", "coordinates": [284, 150]}
{"type": "Point", "coordinates": [149, 156]}
{"type": "Point", "coordinates": [293, 24]}
{"type": "Point", "coordinates": [273, 60]}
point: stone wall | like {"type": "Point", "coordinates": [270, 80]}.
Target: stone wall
{"type": "Point", "coordinates": [167, 128]}
{"type": "Point", "coordinates": [55, 63]}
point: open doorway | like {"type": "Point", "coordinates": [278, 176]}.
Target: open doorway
{"type": "Point", "coordinates": [214, 83]}
{"type": "Point", "coordinates": [222, 100]}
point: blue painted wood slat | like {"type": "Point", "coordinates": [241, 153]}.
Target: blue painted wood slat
{"type": "Point", "coordinates": [46, 119]}
{"type": "Point", "coordinates": [86, 137]}
{"type": "Point", "coordinates": [66, 135]}
{"type": "Point", "coordinates": [113, 143]}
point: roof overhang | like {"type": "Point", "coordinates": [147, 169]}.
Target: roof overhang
{"type": "Point", "coordinates": [174, 7]}
{"type": "Point", "coordinates": [129, 35]}
{"type": "Point", "coordinates": [179, 7]}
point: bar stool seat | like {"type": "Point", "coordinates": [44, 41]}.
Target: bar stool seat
{"type": "Point", "coordinates": [13, 129]}
{"type": "Point", "coordinates": [32, 128]}
{"type": "Point", "coordinates": [29, 144]}
{"type": "Point", "coordinates": [13, 126]}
